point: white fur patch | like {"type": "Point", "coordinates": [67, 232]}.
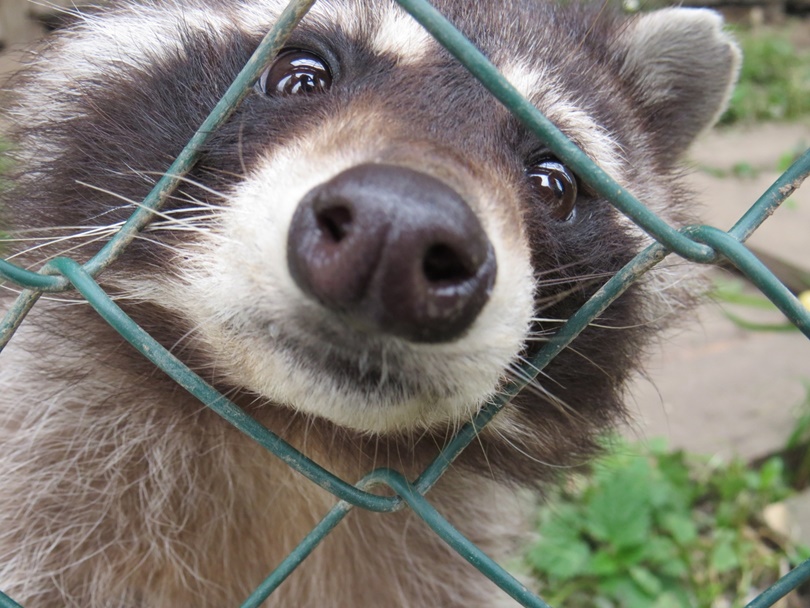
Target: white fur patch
{"type": "Point", "coordinates": [247, 255]}
{"type": "Point", "coordinates": [400, 35]}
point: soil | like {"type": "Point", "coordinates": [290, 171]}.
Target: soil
{"type": "Point", "coordinates": [714, 387]}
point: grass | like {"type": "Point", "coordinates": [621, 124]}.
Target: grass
{"type": "Point", "coordinates": [774, 79]}
{"type": "Point", "coordinates": [654, 528]}
{"type": "Point", "coordinates": [749, 309]}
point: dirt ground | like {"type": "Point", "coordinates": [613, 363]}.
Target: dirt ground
{"type": "Point", "coordinates": [713, 387]}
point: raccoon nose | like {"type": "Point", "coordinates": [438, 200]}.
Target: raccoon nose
{"type": "Point", "coordinates": [392, 250]}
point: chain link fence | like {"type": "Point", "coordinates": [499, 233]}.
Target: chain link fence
{"type": "Point", "coordinates": [700, 244]}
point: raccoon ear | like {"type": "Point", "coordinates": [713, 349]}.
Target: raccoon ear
{"type": "Point", "coordinates": [682, 67]}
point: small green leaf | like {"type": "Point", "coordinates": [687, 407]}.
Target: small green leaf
{"type": "Point", "coordinates": [627, 593]}
{"type": "Point", "coordinates": [660, 549]}
{"type": "Point", "coordinates": [646, 580]}
{"type": "Point", "coordinates": [561, 561]}
{"type": "Point", "coordinates": [724, 558]}
{"type": "Point", "coordinates": [603, 563]}
{"type": "Point", "coordinates": [620, 513]}
{"type": "Point", "coordinates": [680, 526]}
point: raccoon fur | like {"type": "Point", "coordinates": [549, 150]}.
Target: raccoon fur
{"type": "Point", "coordinates": [364, 253]}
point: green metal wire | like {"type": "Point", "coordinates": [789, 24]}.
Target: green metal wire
{"type": "Point", "coordinates": [782, 587]}
{"type": "Point", "coordinates": [150, 348]}
{"type": "Point", "coordinates": [747, 263]}
{"type": "Point", "coordinates": [240, 87]}
{"type": "Point", "coordinates": [766, 205]}
{"type": "Point", "coordinates": [7, 602]}
{"type": "Point", "coordinates": [702, 244]}
{"type": "Point", "coordinates": [475, 61]}
{"type": "Point", "coordinates": [458, 541]}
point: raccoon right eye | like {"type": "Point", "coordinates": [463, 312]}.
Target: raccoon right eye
{"type": "Point", "coordinates": [555, 186]}
{"type": "Point", "coordinates": [296, 72]}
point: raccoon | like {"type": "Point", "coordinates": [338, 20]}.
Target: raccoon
{"type": "Point", "coordinates": [364, 254]}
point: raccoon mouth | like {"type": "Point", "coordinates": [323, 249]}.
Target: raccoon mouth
{"type": "Point", "coordinates": [375, 367]}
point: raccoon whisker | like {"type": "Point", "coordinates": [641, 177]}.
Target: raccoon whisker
{"type": "Point", "coordinates": [549, 321]}
{"type": "Point", "coordinates": [168, 215]}
{"type": "Point", "coordinates": [99, 233]}
{"type": "Point", "coordinates": [240, 150]}
{"type": "Point", "coordinates": [62, 252]}
{"type": "Point", "coordinates": [556, 270]}
{"type": "Point", "coordinates": [173, 248]}
{"type": "Point", "coordinates": [545, 335]}
{"type": "Point", "coordinates": [159, 213]}
{"type": "Point", "coordinates": [169, 228]}
{"type": "Point", "coordinates": [179, 226]}
{"type": "Point", "coordinates": [176, 347]}
{"type": "Point", "coordinates": [190, 216]}
{"type": "Point", "coordinates": [579, 353]}
{"type": "Point", "coordinates": [541, 336]}
{"type": "Point", "coordinates": [200, 205]}
{"type": "Point", "coordinates": [221, 171]}
{"type": "Point", "coordinates": [46, 298]}
{"type": "Point", "coordinates": [552, 299]}
{"type": "Point", "coordinates": [645, 323]}
{"type": "Point", "coordinates": [197, 184]}
{"type": "Point", "coordinates": [48, 229]}
{"type": "Point", "coordinates": [185, 199]}
{"type": "Point", "coordinates": [539, 390]}
{"type": "Point", "coordinates": [480, 442]}
{"type": "Point", "coordinates": [130, 202]}
{"type": "Point", "coordinates": [583, 278]}
{"type": "Point", "coordinates": [524, 370]}
{"type": "Point", "coordinates": [510, 440]}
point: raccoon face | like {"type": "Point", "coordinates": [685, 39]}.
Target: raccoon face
{"type": "Point", "coordinates": [372, 238]}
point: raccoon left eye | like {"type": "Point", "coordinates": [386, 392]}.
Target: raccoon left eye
{"type": "Point", "coordinates": [555, 186]}
{"type": "Point", "coordinates": [296, 72]}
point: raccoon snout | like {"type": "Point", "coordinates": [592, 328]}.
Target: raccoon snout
{"type": "Point", "coordinates": [392, 250]}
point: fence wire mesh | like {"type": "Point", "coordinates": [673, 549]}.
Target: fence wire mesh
{"type": "Point", "coordinates": [700, 244]}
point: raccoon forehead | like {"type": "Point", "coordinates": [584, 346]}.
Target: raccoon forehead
{"type": "Point", "coordinates": [548, 93]}
{"type": "Point", "coordinates": [136, 35]}
{"type": "Point", "coordinates": [384, 26]}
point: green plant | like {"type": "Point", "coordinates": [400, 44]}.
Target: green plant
{"type": "Point", "coordinates": [774, 79]}
{"type": "Point", "coordinates": [733, 294]}
{"type": "Point", "coordinates": [660, 529]}
{"type": "Point", "coordinates": [797, 448]}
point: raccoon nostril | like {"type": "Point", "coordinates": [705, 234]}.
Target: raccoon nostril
{"type": "Point", "coordinates": [442, 265]}
{"type": "Point", "coordinates": [335, 222]}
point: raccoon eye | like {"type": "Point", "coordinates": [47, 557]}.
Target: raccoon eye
{"type": "Point", "coordinates": [555, 186]}
{"type": "Point", "coordinates": [296, 72]}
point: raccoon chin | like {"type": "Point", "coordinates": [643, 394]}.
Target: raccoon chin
{"type": "Point", "coordinates": [368, 383]}
{"type": "Point", "coordinates": [374, 392]}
